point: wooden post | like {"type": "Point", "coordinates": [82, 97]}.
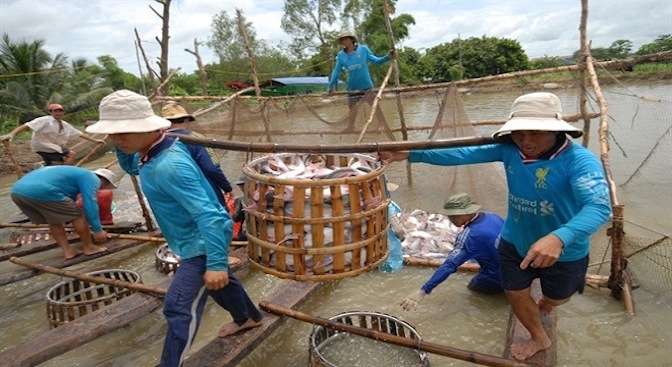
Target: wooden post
{"type": "Point", "coordinates": [585, 53]}
{"type": "Point", "coordinates": [8, 150]}
{"type": "Point", "coordinates": [201, 69]}
{"type": "Point", "coordinates": [374, 105]}
{"type": "Point", "coordinates": [145, 213]}
{"type": "Point", "coordinates": [395, 66]}
{"type": "Point", "coordinates": [150, 72]}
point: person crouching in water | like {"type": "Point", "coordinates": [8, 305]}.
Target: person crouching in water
{"type": "Point", "coordinates": [478, 240]}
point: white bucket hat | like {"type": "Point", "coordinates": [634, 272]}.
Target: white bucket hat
{"type": "Point", "coordinates": [348, 34]}
{"type": "Point", "coordinates": [108, 175]}
{"type": "Point", "coordinates": [126, 112]}
{"type": "Point", "coordinates": [540, 111]}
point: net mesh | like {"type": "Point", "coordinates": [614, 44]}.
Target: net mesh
{"type": "Point", "coordinates": [639, 141]}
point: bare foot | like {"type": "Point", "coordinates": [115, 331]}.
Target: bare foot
{"type": "Point", "coordinates": [526, 349]}
{"type": "Point", "coordinates": [545, 308]}
{"type": "Point", "coordinates": [72, 253]}
{"type": "Point", "coordinates": [233, 328]}
{"type": "Point", "coordinates": [94, 249]}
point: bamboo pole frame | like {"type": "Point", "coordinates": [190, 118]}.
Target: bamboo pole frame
{"type": "Point", "coordinates": [442, 350]}
{"type": "Point", "coordinates": [91, 152]}
{"type": "Point", "coordinates": [154, 291]}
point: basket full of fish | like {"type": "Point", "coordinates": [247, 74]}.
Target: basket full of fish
{"type": "Point", "coordinates": [316, 217]}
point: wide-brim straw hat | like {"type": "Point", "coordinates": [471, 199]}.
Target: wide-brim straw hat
{"type": "Point", "coordinates": [539, 111]}
{"type": "Point", "coordinates": [460, 204]}
{"type": "Point", "coordinates": [173, 111]}
{"type": "Point", "coordinates": [347, 34]}
{"type": "Point", "coordinates": [124, 111]}
{"type": "Point", "coordinates": [108, 175]}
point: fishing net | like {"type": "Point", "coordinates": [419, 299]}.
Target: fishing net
{"type": "Point", "coordinates": [641, 166]}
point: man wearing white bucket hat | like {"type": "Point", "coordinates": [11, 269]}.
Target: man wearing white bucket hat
{"type": "Point", "coordinates": [195, 225]}
{"type": "Point", "coordinates": [558, 197]}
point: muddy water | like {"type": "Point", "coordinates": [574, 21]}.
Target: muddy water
{"type": "Point", "coordinates": [592, 328]}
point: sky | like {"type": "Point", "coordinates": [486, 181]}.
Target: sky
{"type": "Point", "coordinates": [91, 28]}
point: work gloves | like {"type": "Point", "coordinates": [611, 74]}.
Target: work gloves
{"type": "Point", "coordinates": [413, 300]}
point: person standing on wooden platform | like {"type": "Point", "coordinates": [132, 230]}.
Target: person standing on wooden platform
{"type": "Point", "coordinates": [478, 240]}
{"type": "Point", "coordinates": [195, 225]}
{"type": "Point", "coordinates": [354, 59]}
{"type": "Point", "coordinates": [50, 136]}
{"type": "Point", "coordinates": [558, 197]}
{"type": "Point", "coordinates": [48, 195]}
{"type": "Point", "coordinates": [206, 159]}
{"type": "Point", "coordinates": [104, 196]}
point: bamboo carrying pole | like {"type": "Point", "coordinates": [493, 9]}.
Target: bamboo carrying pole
{"type": "Point", "coordinates": [123, 236]}
{"type": "Point", "coordinates": [93, 150]}
{"type": "Point", "coordinates": [464, 355]}
{"type": "Point", "coordinates": [158, 292]}
{"type": "Point", "coordinates": [340, 148]}
{"type": "Point", "coordinates": [45, 226]}
{"type": "Point", "coordinates": [8, 150]}
{"type": "Point", "coordinates": [374, 106]}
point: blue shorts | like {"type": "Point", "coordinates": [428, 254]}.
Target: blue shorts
{"type": "Point", "coordinates": [558, 282]}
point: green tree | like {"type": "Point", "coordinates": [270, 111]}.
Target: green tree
{"type": "Point", "coordinates": [546, 62]}
{"type": "Point", "coordinates": [472, 58]}
{"type": "Point", "coordinates": [598, 53]}
{"type": "Point", "coordinates": [229, 45]}
{"type": "Point", "coordinates": [307, 22]}
{"type": "Point", "coordinates": [29, 75]}
{"type": "Point", "coordinates": [662, 43]}
{"type": "Point", "coordinates": [620, 49]}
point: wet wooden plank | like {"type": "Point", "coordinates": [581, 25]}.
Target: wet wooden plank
{"type": "Point", "coordinates": [516, 332]}
{"type": "Point", "coordinates": [90, 326]}
{"type": "Point", "coordinates": [43, 245]}
{"type": "Point", "coordinates": [228, 352]}
{"type": "Point", "coordinates": [14, 274]}
{"type": "Point", "coordinates": [82, 330]}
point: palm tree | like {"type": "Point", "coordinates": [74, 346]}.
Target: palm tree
{"type": "Point", "coordinates": [30, 76]}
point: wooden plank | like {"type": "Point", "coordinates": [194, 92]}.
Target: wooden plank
{"type": "Point", "coordinates": [35, 246]}
{"type": "Point", "coordinates": [516, 332]}
{"type": "Point", "coordinates": [82, 330]}
{"type": "Point", "coordinates": [228, 352]}
{"type": "Point", "coordinates": [57, 261]}
{"type": "Point", "coordinates": [43, 245]}
{"type": "Point", "coordinates": [90, 326]}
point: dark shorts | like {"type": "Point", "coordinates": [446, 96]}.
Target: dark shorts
{"type": "Point", "coordinates": [353, 99]}
{"type": "Point", "coordinates": [53, 156]}
{"type": "Point", "coordinates": [484, 285]}
{"type": "Point", "coordinates": [558, 282]}
{"type": "Point", "coordinates": [51, 212]}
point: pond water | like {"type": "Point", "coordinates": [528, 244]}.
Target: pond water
{"type": "Point", "coordinates": [593, 329]}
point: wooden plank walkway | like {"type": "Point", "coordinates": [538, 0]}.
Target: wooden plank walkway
{"type": "Point", "coordinates": [87, 328]}
{"type": "Point", "coordinates": [14, 274]}
{"type": "Point", "coordinates": [48, 244]}
{"type": "Point", "coordinates": [228, 352]}
{"type": "Point", "coordinates": [516, 332]}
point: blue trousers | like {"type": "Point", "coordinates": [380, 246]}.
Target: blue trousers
{"type": "Point", "coordinates": [184, 304]}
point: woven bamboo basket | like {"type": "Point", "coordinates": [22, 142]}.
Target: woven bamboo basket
{"type": "Point", "coordinates": [324, 340]}
{"type": "Point", "coordinates": [71, 299]}
{"type": "Point", "coordinates": [316, 229]}
{"type": "Point", "coordinates": [166, 261]}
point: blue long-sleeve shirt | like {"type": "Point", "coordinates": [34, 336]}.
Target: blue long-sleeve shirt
{"type": "Point", "coordinates": [206, 159]}
{"type": "Point", "coordinates": [183, 202]}
{"type": "Point", "coordinates": [356, 65]}
{"type": "Point", "coordinates": [478, 240]}
{"type": "Point", "coordinates": [59, 183]}
{"type": "Point", "coordinates": [566, 195]}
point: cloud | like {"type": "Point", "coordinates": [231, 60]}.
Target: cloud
{"type": "Point", "coordinates": [91, 28]}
